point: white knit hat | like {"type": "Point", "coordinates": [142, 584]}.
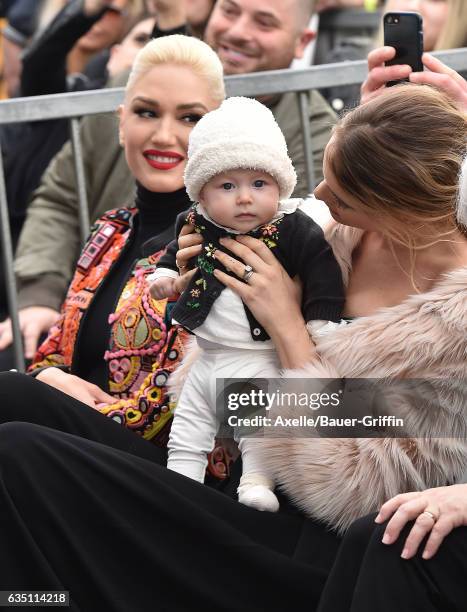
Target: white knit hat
{"type": "Point", "coordinates": [241, 133]}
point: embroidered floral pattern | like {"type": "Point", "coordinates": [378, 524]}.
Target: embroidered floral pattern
{"type": "Point", "coordinates": [269, 233]}
{"type": "Point", "coordinates": [140, 330]}
{"type": "Point", "coordinates": [205, 265]}
{"type": "Point", "coordinates": [210, 250]}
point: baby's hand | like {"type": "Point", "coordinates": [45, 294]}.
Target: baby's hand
{"type": "Point", "coordinates": [163, 287]}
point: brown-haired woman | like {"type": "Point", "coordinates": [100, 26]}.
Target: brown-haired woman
{"type": "Point", "coordinates": [391, 183]}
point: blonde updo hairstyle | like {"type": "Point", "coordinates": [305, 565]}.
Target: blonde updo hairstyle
{"type": "Point", "coordinates": [181, 50]}
{"type": "Point", "coordinates": [401, 155]}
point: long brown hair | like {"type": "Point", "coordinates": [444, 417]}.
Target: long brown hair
{"type": "Point", "coordinates": [400, 155]}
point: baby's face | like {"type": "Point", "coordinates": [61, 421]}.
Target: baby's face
{"type": "Point", "coordinates": [241, 199]}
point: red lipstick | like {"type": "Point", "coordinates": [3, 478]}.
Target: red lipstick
{"type": "Point", "coordinates": [162, 160]}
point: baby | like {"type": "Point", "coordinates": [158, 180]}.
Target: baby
{"type": "Point", "coordinates": [240, 177]}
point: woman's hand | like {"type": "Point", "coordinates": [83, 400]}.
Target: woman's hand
{"type": "Point", "coordinates": [78, 388]}
{"type": "Point", "coordinates": [444, 78]}
{"type": "Point", "coordinates": [190, 245]}
{"type": "Point", "coordinates": [435, 511]}
{"type": "Point", "coordinates": [379, 74]}
{"type": "Point", "coordinates": [162, 288]}
{"type": "Point", "coordinates": [33, 322]}
{"type": "Point", "coordinates": [271, 295]}
{"type": "Point", "coordinates": [438, 75]}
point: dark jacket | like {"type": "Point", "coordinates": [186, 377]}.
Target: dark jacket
{"type": "Point", "coordinates": [28, 147]}
{"type": "Point", "coordinates": [299, 245]}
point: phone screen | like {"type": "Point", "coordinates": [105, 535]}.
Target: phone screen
{"type": "Point", "coordinates": [404, 32]}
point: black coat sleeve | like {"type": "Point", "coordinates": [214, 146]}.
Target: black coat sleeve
{"type": "Point", "coordinates": [168, 260]}
{"type": "Point", "coordinates": [44, 62]}
{"type": "Point", "coordinates": [314, 262]}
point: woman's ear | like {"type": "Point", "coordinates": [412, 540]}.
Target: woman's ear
{"type": "Point", "coordinates": [121, 138]}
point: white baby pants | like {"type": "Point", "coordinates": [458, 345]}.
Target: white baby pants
{"type": "Point", "coordinates": [195, 422]}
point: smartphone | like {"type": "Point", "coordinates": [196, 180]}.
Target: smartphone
{"type": "Point", "coordinates": [404, 32]}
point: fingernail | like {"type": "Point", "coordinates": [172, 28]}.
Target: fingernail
{"type": "Point", "coordinates": [405, 553]}
{"type": "Point", "coordinates": [386, 539]}
{"type": "Point", "coordinates": [378, 518]}
{"type": "Point", "coordinates": [426, 554]}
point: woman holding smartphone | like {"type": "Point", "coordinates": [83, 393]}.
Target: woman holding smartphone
{"type": "Point", "coordinates": [444, 27]}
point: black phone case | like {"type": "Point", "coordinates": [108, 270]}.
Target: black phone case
{"type": "Point", "coordinates": [406, 36]}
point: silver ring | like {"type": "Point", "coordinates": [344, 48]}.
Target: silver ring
{"type": "Point", "coordinates": [179, 266]}
{"type": "Point", "coordinates": [247, 273]}
{"type": "Point", "coordinates": [431, 515]}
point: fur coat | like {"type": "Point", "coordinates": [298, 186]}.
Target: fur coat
{"type": "Point", "coordinates": [336, 480]}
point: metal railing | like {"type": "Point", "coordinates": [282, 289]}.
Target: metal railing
{"type": "Point", "coordinates": [73, 106]}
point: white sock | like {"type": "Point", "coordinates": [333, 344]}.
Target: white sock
{"type": "Point", "coordinates": [255, 490]}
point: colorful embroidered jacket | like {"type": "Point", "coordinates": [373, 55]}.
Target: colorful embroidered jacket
{"type": "Point", "coordinates": [144, 347]}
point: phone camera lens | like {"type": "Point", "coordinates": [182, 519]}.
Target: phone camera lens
{"type": "Point", "coordinates": [389, 19]}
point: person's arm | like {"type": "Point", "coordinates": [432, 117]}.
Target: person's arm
{"type": "Point", "coordinates": [437, 74]}
{"type": "Point", "coordinates": [313, 260]}
{"type": "Point", "coordinates": [444, 78]}
{"type": "Point", "coordinates": [21, 18]}
{"type": "Point", "coordinates": [271, 295]}
{"type": "Point", "coordinates": [274, 301]}
{"type": "Point", "coordinates": [12, 66]}
{"type": "Point", "coordinates": [75, 386]}
{"type": "Point", "coordinates": [49, 242]}
{"type": "Point", "coordinates": [44, 61]}
{"type": "Point", "coordinates": [33, 322]}
{"type": "Point", "coordinates": [436, 513]}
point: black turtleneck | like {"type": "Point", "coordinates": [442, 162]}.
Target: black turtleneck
{"type": "Point", "coordinates": [153, 225]}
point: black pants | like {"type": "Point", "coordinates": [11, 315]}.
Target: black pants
{"type": "Point", "coordinates": [369, 576]}
{"type": "Point", "coordinates": [88, 507]}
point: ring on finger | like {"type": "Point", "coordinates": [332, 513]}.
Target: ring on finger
{"type": "Point", "coordinates": [179, 266]}
{"type": "Point", "coordinates": [247, 273]}
{"type": "Point", "coordinates": [432, 515]}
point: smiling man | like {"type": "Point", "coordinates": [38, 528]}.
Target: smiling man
{"type": "Point", "coordinates": [259, 35]}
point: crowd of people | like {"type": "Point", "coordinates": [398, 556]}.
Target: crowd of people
{"type": "Point", "coordinates": [118, 331]}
